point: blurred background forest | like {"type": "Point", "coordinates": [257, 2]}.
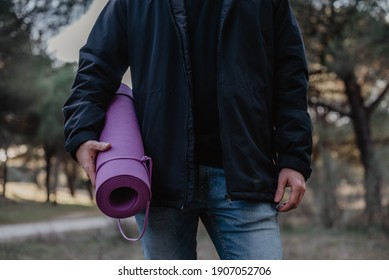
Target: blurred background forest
{"type": "Point", "coordinates": [347, 43]}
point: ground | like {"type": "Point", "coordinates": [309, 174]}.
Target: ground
{"type": "Point", "coordinates": [303, 238]}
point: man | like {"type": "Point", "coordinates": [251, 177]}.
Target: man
{"type": "Point", "coordinates": [220, 90]}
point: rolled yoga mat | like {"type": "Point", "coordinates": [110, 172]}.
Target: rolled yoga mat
{"type": "Point", "coordinates": [123, 173]}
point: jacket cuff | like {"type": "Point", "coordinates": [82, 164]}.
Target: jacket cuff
{"type": "Point", "coordinates": [285, 161]}
{"type": "Point", "coordinates": [72, 145]}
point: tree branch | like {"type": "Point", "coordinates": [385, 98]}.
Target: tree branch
{"type": "Point", "coordinates": [374, 105]}
{"type": "Point", "coordinates": [329, 107]}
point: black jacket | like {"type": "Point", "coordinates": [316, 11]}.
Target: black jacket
{"type": "Point", "coordinates": [262, 92]}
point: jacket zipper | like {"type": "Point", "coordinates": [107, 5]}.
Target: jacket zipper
{"type": "Point", "coordinates": [185, 64]}
{"type": "Point", "coordinates": [223, 19]}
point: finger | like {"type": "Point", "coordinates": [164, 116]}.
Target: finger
{"type": "Point", "coordinates": [279, 207]}
{"type": "Point", "coordinates": [96, 147]}
{"type": "Point", "coordinates": [300, 198]}
{"type": "Point", "coordinates": [89, 149]}
{"type": "Point", "coordinates": [296, 196]}
{"type": "Point", "coordinates": [285, 207]}
{"type": "Point", "coordinates": [90, 170]}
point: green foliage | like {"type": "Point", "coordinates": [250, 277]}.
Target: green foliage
{"type": "Point", "coordinates": [25, 70]}
{"type": "Point", "coordinates": [14, 36]}
{"type": "Point", "coordinates": [57, 88]}
{"type": "Point", "coordinates": [22, 90]}
{"type": "Point", "coordinates": [345, 35]}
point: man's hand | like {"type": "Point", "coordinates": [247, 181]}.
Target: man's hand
{"type": "Point", "coordinates": [86, 156]}
{"type": "Point", "coordinates": [289, 178]}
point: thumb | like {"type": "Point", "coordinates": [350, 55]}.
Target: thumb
{"type": "Point", "coordinates": [101, 146]}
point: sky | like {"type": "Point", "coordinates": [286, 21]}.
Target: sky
{"type": "Point", "coordinates": [66, 45]}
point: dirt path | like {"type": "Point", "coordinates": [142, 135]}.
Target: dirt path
{"type": "Point", "coordinates": [28, 230]}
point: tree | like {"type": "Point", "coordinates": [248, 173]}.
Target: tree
{"type": "Point", "coordinates": [19, 76]}
{"type": "Point", "coordinates": [50, 132]}
{"type": "Point", "coordinates": [348, 47]}
{"type": "Point", "coordinates": [24, 24]}
{"type": "Point", "coordinates": [24, 27]}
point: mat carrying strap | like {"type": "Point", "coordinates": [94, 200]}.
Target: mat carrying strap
{"type": "Point", "coordinates": [148, 163]}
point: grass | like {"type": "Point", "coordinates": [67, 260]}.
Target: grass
{"type": "Point", "coordinates": [25, 203]}
{"type": "Point", "coordinates": [107, 244]}
{"type": "Point", "coordinates": [14, 212]}
{"type": "Point", "coordinates": [89, 245]}
{"type": "Point", "coordinates": [104, 244]}
{"type": "Point", "coordinates": [334, 244]}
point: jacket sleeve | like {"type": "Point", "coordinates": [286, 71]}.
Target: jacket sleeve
{"type": "Point", "coordinates": [293, 126]}
{"type": "Point", "coordinates": [103, 61]}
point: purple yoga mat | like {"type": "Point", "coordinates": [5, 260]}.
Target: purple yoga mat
{"type": "Point", "coordinates": [123, 173]}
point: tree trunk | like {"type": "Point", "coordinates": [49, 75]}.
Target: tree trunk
{"type": "Point", "coordinates": [361, 124]}
{"type": "Point", "coordinates": [329, 209]}
{"type": "Point", "coordinates": [71, 175]}
{"type": "Point", "coordinates": [48, 154]}
{"type": "Point", "coordinates": [5, 173]}
{"type": "Point", "coordinates": [56, 172]}
{"type": "Point", "coordinates": [90, 189]}
{"type": "Point", "coordinates": [4, 178]}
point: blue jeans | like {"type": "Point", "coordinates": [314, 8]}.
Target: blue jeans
{"type": "Point", "coordinates": [244, 230]}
